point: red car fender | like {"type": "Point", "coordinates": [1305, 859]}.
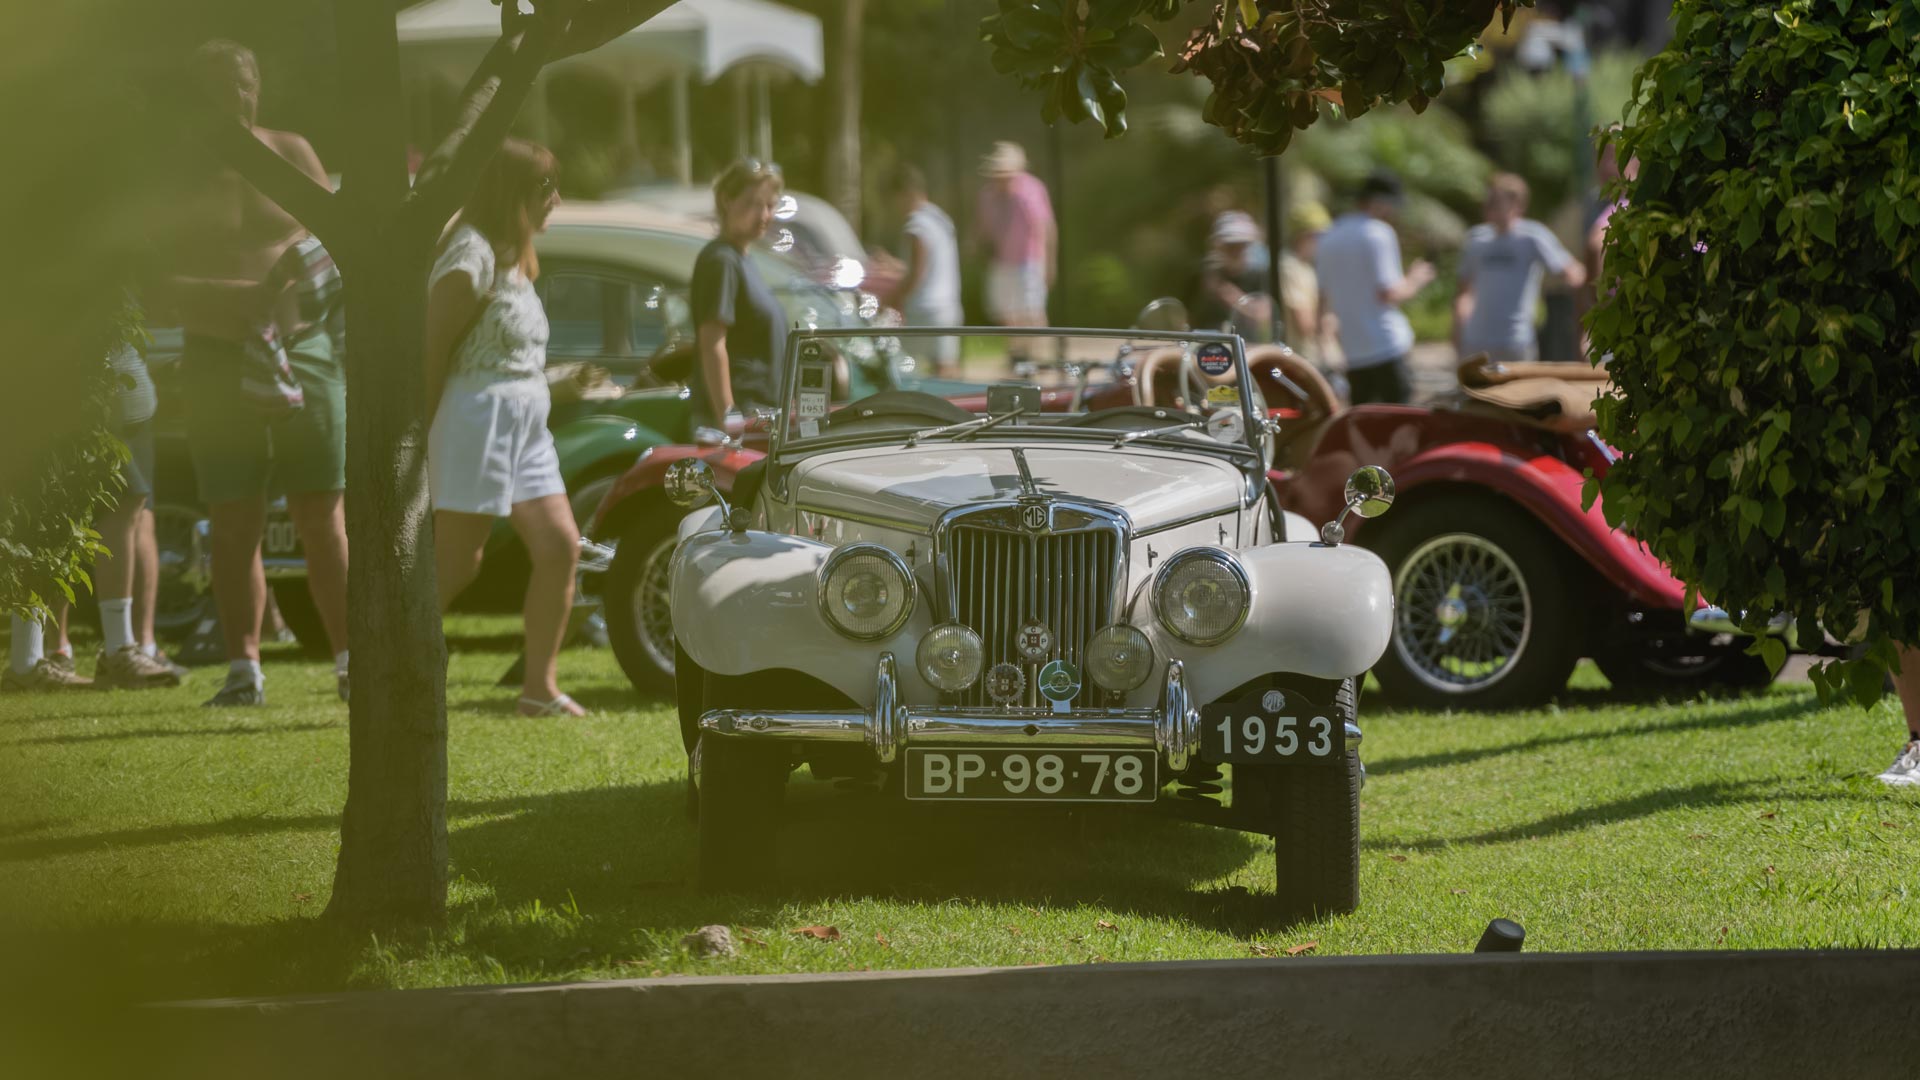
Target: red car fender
{"type": "Point", "coordinates": [1552, 491]}
{"type": "Point", "coordinates": [649, 473]}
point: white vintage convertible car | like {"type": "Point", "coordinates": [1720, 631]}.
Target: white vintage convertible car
{"type": "Point", "coordinates": [1017, 598]}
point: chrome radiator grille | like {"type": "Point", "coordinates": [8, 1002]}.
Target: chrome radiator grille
{"type": "Point", "coordinates": [1000, 580]}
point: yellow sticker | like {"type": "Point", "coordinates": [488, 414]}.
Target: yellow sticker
{"type": "Point", "coordinates": [1223, 395]}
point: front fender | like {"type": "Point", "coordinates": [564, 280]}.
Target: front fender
{"type": "Point", "coordinates": [1552, 491]}
{"type": "Point", "coordinates": [1324, 612]}
{"type": "Point", "coordinates": [590, 440]}
{"type": "Point", "coordinates": [749, 601]}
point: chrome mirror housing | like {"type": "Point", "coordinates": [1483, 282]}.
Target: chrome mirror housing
{"type": "Point", "coordinates": [1369, 491]}
{"type": "Point", "coordinates": [1165, 313]}
{"type": "Point", "coordinates": [1369, 494]}
{"type": "Point", "coordinates": [689, 483]}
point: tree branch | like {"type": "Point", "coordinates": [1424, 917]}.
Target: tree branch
{"type": "Point", "coordinates": [311, 204]}
{"type": "Point", "coordinates": [493, 96]}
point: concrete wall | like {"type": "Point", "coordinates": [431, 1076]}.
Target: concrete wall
{"type": "Point", "coordinates": [1746, 1015]}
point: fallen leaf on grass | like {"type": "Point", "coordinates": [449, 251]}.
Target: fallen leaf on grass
{"type": "Point", "coordinates": [818, 933]}
{"type": "Point", "coordinates": [1105, 925]}
{"type": "Point", "coordinates": [1303, 947]}
{"type": "Point", "coordinates": [1398, 858]}
{"type": "Point", "coordinates": [1012, 929]}
{"type": "Point", "coordinates": [1769, 869]}
{"type": "Point", "coordinates": [1769, 815]}
{"type": "Point", "coordinates": [748, 935]}
{"type": "Point", "coordinates": [1033, 911]}
{"type": "Point", "coordinates": [1260, 948]}
{"type": "Point", "coordinates": [1696, 836]}
{"type": "Point", "coordinates": [1458, 892]}
{"type": "Point", "coordinates": [1077, 938]}
{"type": "Point", "coordinates": [1889, 824]}
{"type": "Point", "coordinates": [881, 940]}
{"type": "Point", "coordinates": [302, 897]}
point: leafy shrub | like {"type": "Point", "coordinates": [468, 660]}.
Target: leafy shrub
{"type": "Point", "coordinates": [1761, 313]}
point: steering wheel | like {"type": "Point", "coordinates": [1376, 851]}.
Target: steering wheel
{"type": "Point", "coordinates": [900, 405]}
{"type": "Point", "coordinates": [1298, 378]}
{"type": "Point", "coordinates": [1151, 372]}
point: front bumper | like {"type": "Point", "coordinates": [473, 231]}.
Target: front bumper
{"type": "Point", "coordinates": [1172, 728]}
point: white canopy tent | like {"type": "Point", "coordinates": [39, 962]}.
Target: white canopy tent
{"type": "Point", "coordinates": [752, 41]}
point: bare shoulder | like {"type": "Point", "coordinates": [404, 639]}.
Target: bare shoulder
{"type": "Point", "coordinates": [294, 147]}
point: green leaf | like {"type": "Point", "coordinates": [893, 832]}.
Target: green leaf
{"type": "Point", "coordinates": [1132, 46]}
{"type": "Point", "coordinates": [1774, 652]}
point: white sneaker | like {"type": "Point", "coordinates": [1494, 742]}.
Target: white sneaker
{"type": "Point", "coordinates": [1905, 770]}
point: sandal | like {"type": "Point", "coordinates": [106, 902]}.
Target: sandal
{"type": "Point", "coordinates": [560, 706]}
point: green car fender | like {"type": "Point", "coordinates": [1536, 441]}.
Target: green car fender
{"type": "Point", "coordinates": [593, 450]}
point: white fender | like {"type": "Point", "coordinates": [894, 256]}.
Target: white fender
{"type": "Point", "coordinates": [1325, 612]}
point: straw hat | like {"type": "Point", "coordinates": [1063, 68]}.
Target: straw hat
{"type": "Point", "coordinates": [1308, 217]}
{"type": "Point", "coordinates": [1006, 159]}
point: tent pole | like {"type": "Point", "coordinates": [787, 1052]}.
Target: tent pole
{"type": "Point", "coordinates": [763, 122]}
{"type": "Point", "coordinates": [682, 129]}
{"type": "Point", "coordinates": [737, 84]}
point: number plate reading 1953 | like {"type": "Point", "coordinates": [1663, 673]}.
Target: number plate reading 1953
{"type": "Point", "coordinates": [1069, 774]}
{"type": "Point", "coordinates": [1273, 727]}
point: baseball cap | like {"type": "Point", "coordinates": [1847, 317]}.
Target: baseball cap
{"type": "Point", "coordinates": [1235, 227]}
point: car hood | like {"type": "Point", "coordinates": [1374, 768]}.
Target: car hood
{"type": "Point", "coordinates": [914, 487]}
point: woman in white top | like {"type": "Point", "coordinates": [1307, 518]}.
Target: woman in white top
{"type": "Point", "coordinates": [489, 454]}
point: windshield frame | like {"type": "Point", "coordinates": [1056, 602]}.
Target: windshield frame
{"type": "Point", "coordinates": [1249, 440]}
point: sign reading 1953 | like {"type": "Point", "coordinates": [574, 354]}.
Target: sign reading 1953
{"type": "Point", "coordinates": [1272, 727]}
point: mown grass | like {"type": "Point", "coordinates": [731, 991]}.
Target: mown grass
{"type": "Point", "coordinates": [168, 851]}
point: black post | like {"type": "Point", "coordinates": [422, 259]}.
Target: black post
{"type": "Point", "coordinates": [1275, 207]}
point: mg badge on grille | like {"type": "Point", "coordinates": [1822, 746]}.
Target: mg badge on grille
{"type": "Point", "coordinates": [1059, 683]}
{"type": "Point", "coordinates": [1004, 682]}
{"type": "Point", "coordinates": [1273, 701]}
{"type": "Point", "coordinates": [1035, 642]}
{"type": "Point", "coordinates": [1036, 516]}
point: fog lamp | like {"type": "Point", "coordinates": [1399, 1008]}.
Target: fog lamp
{"type": "Point", "coordinates": [1119, 658]}
{"type": "Point", "coordinates": [950, 657]}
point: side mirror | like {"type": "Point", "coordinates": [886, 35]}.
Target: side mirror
{"type": "Point", "coordinates": [1369, 493]}
{"type": "Point", "coordinates": [1165, 313]}
{"type": "Point", "coordinates": [689, 483]}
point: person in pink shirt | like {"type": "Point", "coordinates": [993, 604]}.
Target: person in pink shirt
{"type": "Point", "coordinates": [1015, 223]}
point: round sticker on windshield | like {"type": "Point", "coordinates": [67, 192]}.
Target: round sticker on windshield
{"type": "Point", "coordinates": [1226, 426]}
{"type": "Point", "coordinates": [1215, 359]}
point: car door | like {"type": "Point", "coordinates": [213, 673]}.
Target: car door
{"type": "Point", "coordinates": [610, 316]}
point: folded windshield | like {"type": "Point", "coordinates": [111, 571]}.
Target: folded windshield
{"type": "Point", "coordinates": [914, 386]}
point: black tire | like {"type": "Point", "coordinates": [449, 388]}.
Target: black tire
{"type": "Point", "coordinates": [1722, 669]}
{"type": "Point", "coordinates": [1313, 814]}
{"type": "Point", "coordinates": [741, 786]}
{"type": "Point", "coordinates": [298, 611]}
{"type": "Point", "coordinates": [1508, 583]}
{"type": "Point", "coordinates": [639, 624]}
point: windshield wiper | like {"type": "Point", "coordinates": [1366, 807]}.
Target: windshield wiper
{"type": "Point", "coordinates": [969, 427]}
{"type": "Point", "coordinates": [1154, 433]}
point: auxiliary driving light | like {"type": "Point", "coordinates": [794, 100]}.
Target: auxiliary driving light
{"type": "Point", "coordinates": [950, 657]}
{"type": "Point", "coordinates": [1120, 658]}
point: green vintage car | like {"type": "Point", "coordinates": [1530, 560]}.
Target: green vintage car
{"type": "Point", "coordinates": [614, 278]}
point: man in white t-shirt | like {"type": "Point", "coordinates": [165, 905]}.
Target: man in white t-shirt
{"type": "Point", "coordinates": [928, 293]}
{"type": "Point", "coordinates": [1362, 285]}
{"type": "Point", "coordinates": [1500, 271]}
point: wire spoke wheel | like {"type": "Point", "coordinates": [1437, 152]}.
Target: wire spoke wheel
{"type": "Point", "coordinates": [1463, 613]}
{"type": "Point", "coordinates": [652, 604]}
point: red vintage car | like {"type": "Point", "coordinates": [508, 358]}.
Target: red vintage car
{"type": "Point", "coordinates": [1503, 580]}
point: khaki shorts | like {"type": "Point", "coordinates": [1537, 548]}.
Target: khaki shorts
{"type": "Point", "coordinates": [240, 454]}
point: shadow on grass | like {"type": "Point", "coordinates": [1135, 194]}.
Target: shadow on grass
{"type": "Point", "coordinates": [176, 733]}
{"type": "Point", "coordinates": [1761, 712]}
{"type": "Point", "coordinates": [1645, 804]}
{"type": "Point", "coordinates": [255, 825]}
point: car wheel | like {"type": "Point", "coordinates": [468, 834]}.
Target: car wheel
{"type": "Point", "coordinates": [635, 598]}
{"type": "Point", "coordinates": [298, 611]}
{"type": "Point", "coordinates": [1483, 614]}
{"type": "Point", "coordinates": [741, 786]}
{"type": "Point", "coordinates": [1640, 672]}
{"type": "Point", "coordinates": [1314, 815]}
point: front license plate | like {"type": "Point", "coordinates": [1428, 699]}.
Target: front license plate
{"type": "Point", "coordinates": [1065, 775]}
{"type": "Point", "coordinates": [1272, 727]}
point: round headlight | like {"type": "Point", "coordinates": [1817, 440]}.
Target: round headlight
{"type": "Point", "coordinates": [866, 591]}
{"type": "Point", "coordinates": [950, 657]}
{"type": "Point", "coordinates": [1202, 596]}
{"type": "Point", "coordinates": [1119, 658]}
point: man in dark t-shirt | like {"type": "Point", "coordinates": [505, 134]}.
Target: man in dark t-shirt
{"type": "Point", "coordinates": [733, 301]}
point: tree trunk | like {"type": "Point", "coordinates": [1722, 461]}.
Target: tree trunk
{"type": "Point", "coordinates": [393, 837]}
{"type": "Point", "coordinates": [843, 139]}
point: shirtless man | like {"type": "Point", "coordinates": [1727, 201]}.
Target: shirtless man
{"type": "Point", "coordinates": [229, 241]}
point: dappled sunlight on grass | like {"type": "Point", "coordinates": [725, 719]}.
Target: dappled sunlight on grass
{"type": "Point", "coordinates": [190, 852]}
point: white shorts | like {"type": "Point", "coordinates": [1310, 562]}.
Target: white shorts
{"type": "Point", "coordinates": [1017, 295]}
{"type": "Point", "coordinates": [490, 448]}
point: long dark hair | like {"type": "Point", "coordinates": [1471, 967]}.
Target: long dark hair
{"type": "Point", "coordinates": [502, 204]}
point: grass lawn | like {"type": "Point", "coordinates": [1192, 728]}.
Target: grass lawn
{"type": "Point", "coordinates": [171, 851]}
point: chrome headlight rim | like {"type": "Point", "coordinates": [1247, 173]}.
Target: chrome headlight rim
{"type": "Point", "coordinates": [842, 554]}
{"type": "Point", "coordinates": [1218, 556]}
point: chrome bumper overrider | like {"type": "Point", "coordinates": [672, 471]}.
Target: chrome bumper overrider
{"type": "Point", "coordinates": [1172, 729]}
